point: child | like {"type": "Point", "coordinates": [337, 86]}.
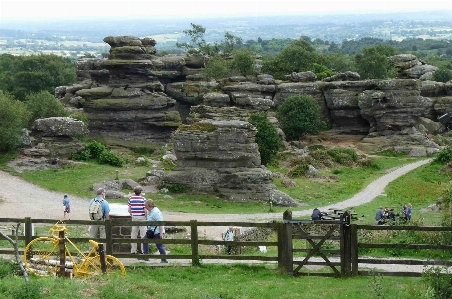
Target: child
{"type": "Point", "coordinates": [66, 207]}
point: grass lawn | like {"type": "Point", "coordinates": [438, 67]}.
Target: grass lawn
{"type": "Point", "coordinates": [211, 282]}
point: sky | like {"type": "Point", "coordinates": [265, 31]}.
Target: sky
{"type": "Point", "coordinates": [64, 9]}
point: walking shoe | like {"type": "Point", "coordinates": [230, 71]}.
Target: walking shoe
{"type": "Point", "coordinates": [164, 262]}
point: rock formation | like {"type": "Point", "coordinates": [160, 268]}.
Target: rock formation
{"type": "Point", "coordinates": [222, 157]}
{"type": "Point", "coordinates": [53, 138]}
{"type": "Point", "coordinates": [135, 98]}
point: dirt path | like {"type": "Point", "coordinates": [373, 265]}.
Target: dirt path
{"type": "Point", "coordinates": [19, 199]}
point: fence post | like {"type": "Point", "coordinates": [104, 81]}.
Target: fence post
{"type": "Point", "coordinates": [28, 231]}
{"type": "Point", "coordinates": [62, 246]}
{"type": "Point", "coordinates": [286, 253]}
{"type": "Point", "coordinates": [108, 236]}
{"type": "Point", "coordinates": [194, 242]}
{"type": "Point", "coordinates": [101, 252]}
{"type": "Point", "coordinates": [354, 248]}
{"type": "Point", "coordinates": [345, 244]}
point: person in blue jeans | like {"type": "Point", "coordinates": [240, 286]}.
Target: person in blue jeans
{"type": "Point", "coordinates": [154, 214]}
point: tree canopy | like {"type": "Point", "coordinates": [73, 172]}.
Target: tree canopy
{"type": "Point", "coordinates": [298, 57]}
{"type": "Point", "coordinates": [300, 115]}
{"type": "Point", "coordinates": [373, 62]}
{"type": "Point", "coordinates": [22, 75]}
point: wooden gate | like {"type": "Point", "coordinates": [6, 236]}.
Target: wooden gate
{"type": "Point", "coordinates": [327, 243]}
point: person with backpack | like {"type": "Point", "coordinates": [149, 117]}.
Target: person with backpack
{"type": "Point", "coordinates": [139, 213]}
{"type": "Point", "coordinates": [98, 210]}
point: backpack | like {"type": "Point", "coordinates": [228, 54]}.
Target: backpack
{"type": "Point", "coordinates": [95, 210]}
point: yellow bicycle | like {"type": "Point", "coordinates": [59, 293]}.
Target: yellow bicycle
{"type": "Point", "coordinates": [42, 257]}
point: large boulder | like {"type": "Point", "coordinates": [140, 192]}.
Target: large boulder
{"type": "Point", "coordinates": [54, 137]}
{"type": "Point", "coordinates": [222, 157]}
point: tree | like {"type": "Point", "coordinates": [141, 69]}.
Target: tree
{"type": "Point", "coordinates": [298, 57]}
{"type": "Point", "coordinates": [43, 105]}
{"type": "Point", "coordinates": [442, 75]}
{"type": "Point", "coordinates": [266, 138]}
{"type": "Point", "coordinates": [198, 44]}
{"type": "Point", "coordinates": [216, 67]}
{"type": "Point", "coordinates": [243, 61]}
{"type": "Point", "coordinates": [300, 115]}
{"type": "Point", "coordinates": [13, 117]}
{"type": "Point", "coordinates": [23, 75]}
{"type": "Point", "coordinates": [373, 62]}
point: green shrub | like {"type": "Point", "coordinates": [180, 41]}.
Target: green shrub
{"type": "Point", "coordinates": [243, 61]}
{"type": "Point", "coordinates": [343, 156]}
{"type": "Point", "coordinates": [300, 115]}
{"type": "Point", "coordinates": [439, 280]}
{"type": "Point", "coordinates": [43, 105]}
{"type": "Point", "coordinates": [445, 155]}
{"type": "Point", "coordinates": [322, 71]}
{"type": "Point", "coordinates": [217, 67]}
{"type": "Point", "coordinates": [107, 157]}
{"type": "Point", "coordinates": [81, 117]}
{"type": "Point", "coordinates": [299, 170]}
{"type": "Point", "coordinates": [266, 137]}
{"type": "Point", "coordinates": [442, 75]}
{"type": "Point", "coordinates": [168, 164]}
{"type": "Point", "coordinates": [96, 149]}
{"type": "Point", "coordinates": [176, 188]}
{"type": "Point", "coordinates": [13, 117]}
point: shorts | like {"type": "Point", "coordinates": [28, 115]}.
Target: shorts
{"type": "Point", "coordinates": [67, 209]}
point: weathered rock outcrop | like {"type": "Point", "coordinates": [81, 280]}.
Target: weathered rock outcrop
{"type": "Point", "coordinates": [135, 98]}
{"type": "Point", "coordinates": [54, 138]}
{"type": "Point", "coordinates": [224, 159]}
{"type": "Point", "coordinates": [410, 67]}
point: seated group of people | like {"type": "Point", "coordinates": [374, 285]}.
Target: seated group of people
{"type": "Point", "coordinates": [382, 216]}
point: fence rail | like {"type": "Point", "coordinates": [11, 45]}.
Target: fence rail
{"type": "Point", "coordinates": [287, 255]}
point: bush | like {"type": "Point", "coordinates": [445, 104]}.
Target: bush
{"type": "Point", "coordinates": [107, 157]}
{"type": "Point", "coordinates": [300, 115]}
{"type": "Point", "coordinates": [442, 75]}
{"type": "Point", "coordinates": [43, 105]}
{"type": "Point", "coordinates": [343, 156]}
{"type": "Point", "coordinates": [98, 151]}
{"type": "Point", "coordinates": [243, 61]}
{"type": "Point", "coordinates": [266, 138]}
{"type": "Point", "coordinates": [217, 67]}
{"type": "Point", "coordinates": [445, 155]}
{"type": "Point", "coordinates": [14, 116]}
{"type": "Point", "coordinates": [438, 280]}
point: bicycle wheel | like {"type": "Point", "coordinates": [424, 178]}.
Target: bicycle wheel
{"type": "Point", "coordinates": [113, 266]}
{"type": "Point", "coordinates": [42, 256]}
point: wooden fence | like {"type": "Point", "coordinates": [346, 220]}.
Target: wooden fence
{"type": "Point", "coordinates": [288, 257]}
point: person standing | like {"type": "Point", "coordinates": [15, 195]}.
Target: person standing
{"type": "Point", "coordinates": [409, 210]}
{"type": "Point", "coordinates": [379, 215]}
{"type": "Point", "coordinates": [154, 231]}
{"type": "Point", "coordinates": [66, 207]}
{"type": "Point", "coordinates": [228, 235]}
{"type": "Point", "coordinates": [139, 213]}
{"type": "Point", "coordinates": [95, 228]}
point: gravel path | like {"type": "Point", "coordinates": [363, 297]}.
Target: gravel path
{"type": "Point", "coordinates": [19, 199]}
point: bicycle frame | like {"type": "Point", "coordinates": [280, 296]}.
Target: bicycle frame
{"type": "Point", "coordinates": [80, 268]}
